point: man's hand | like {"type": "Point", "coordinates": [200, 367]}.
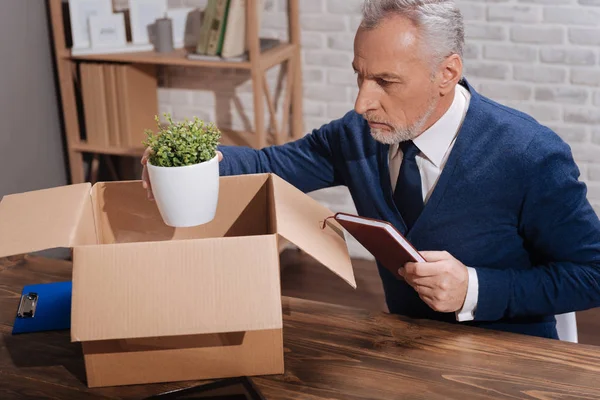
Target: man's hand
{"type": "Point", "coordinates": [146, 178]}
{"type": "Point", "coordinates": [441, 282]}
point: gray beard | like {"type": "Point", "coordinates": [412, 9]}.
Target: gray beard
{"type": "Point", "coordinates": [399, 135]}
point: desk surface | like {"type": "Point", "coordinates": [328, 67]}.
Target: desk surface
{"type": "Point", "coordinates": [331, 352]}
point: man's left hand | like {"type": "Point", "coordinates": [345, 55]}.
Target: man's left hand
{"type": "Point", "coordinates": [441, 282]}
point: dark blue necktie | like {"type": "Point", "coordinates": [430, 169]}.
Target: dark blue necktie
{"type": "Point", "coordinates": [408, 194]}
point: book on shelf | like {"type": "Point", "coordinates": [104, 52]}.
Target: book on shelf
{"type": "Point", "coordinates": [110, 83]}
{"type": "Point", "coordinates": [217, 28]}
{"type": "Point", "coordinates": [137, 86]}
{"type": "Point", "coordinates": [119, 103]}
{"type": "Point", "coordinates": [94, 104]}
{"type": "Point", "coordinates": [208, 14]}
{"type": "Point", "coordinates": [223, 29]}
{"type": "Point", "coordinates": [265, 44]}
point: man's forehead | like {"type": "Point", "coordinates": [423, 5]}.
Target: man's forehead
{"type": "Point", "coordinates": [393, 40]}
{"type": "Point", "coordinates": [385, 60]}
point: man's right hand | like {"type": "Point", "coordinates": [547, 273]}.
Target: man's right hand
{"type": "Point", "coordinates": [146, 176]}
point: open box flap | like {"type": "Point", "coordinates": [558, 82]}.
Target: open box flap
{"type": "Point", "coordinates": [299, 219]}
{"type": "Point", "coordinates": [46, 219]}
{"type": "Point", "coordinates": [174, 288]}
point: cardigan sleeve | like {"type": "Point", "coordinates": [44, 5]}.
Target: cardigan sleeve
{"type": "Point", "coordinates": [308, 163]}
{"type": "Point", "coordinates": [562, 231]}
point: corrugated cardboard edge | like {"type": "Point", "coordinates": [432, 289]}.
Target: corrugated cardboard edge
{"type": "Point", "coordinates": [299, 219]}
{"type": "Point", "coordinates": [94, 192]}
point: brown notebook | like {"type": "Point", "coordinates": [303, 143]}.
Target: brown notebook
{"type": "Point", "coordinates": [381, 239]}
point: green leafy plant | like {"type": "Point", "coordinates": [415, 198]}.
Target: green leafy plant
{"type": "Point", "coordinates": [182, 143]}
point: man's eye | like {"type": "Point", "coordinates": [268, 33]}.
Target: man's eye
{"type": "Point", "coordinates": [383, 82]}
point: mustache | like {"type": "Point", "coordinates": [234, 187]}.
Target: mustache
{"type": "Point", "coordinates": [374, 118]}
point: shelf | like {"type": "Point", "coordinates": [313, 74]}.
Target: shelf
{"type": "Point", "coordinates": [264, 132]}
{"type": "Point", "coordinates": [269, 58]}
{"type": "Point", "coordinates": [83, 147]}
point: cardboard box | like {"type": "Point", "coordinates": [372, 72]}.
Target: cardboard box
{"type": "Point", "coordinates": [156, 304]}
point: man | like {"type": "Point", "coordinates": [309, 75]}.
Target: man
{"type": "Point", "coordinates": [490, 197]}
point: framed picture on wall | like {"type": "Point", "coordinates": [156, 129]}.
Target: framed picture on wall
{"type": "Point", "coordinates": [143, 15]}
{"type": "Point", "coordinates": [80, 12]}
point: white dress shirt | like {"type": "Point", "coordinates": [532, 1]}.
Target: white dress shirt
{"type": "Point", "coordinates": [435, 145]}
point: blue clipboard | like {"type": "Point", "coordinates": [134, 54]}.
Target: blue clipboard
{"type": "Point", "coordinates": [44, 307]}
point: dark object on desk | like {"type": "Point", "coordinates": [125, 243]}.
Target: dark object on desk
{"type": "Point", "coordinates": [224, 389]}
{"type": "Point", "coordinates": [44, 307]}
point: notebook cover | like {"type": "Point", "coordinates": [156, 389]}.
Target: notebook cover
{"type": "Point", "coordinates": [53, 309]}
{"type": "Point", "coordinates": [379, 242]}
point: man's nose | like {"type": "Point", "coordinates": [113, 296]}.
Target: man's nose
{"type": "Point", "coordinates": [365, 101]}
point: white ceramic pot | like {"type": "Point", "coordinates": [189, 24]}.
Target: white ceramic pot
{"type": "Point", "coordinates": [186, 196]}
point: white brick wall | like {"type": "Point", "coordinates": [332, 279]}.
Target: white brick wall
{"type": "Point", "coordinates": [539, 56]}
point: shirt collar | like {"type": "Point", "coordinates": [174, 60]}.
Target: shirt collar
{"type": "Point", "coordinates": [435, 141]}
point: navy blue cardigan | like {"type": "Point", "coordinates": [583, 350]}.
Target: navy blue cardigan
{"type": "Point", "coordinates": [507, 203]}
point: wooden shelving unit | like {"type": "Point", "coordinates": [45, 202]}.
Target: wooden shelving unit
{"type": "Point", "coordinates": [287, 54]}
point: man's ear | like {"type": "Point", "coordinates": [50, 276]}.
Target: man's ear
{"type": "Point", "coordinates": [451, 72]}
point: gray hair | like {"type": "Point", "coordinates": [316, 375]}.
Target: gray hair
{"type": "Point", "coordinates": [439, 21]}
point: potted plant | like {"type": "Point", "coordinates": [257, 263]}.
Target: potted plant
{"type": "Point", "coordinates": [184, 170]}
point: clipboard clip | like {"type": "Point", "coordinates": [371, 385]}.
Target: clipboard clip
{"type": "Point", "coordinates": [27, 305]}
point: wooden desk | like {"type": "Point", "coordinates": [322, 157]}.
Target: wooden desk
{"type": "Point", "coordinates": [332, 352]}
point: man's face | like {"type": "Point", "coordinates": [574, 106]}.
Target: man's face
{"type": "Point", "coordinates": [398, 95]}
